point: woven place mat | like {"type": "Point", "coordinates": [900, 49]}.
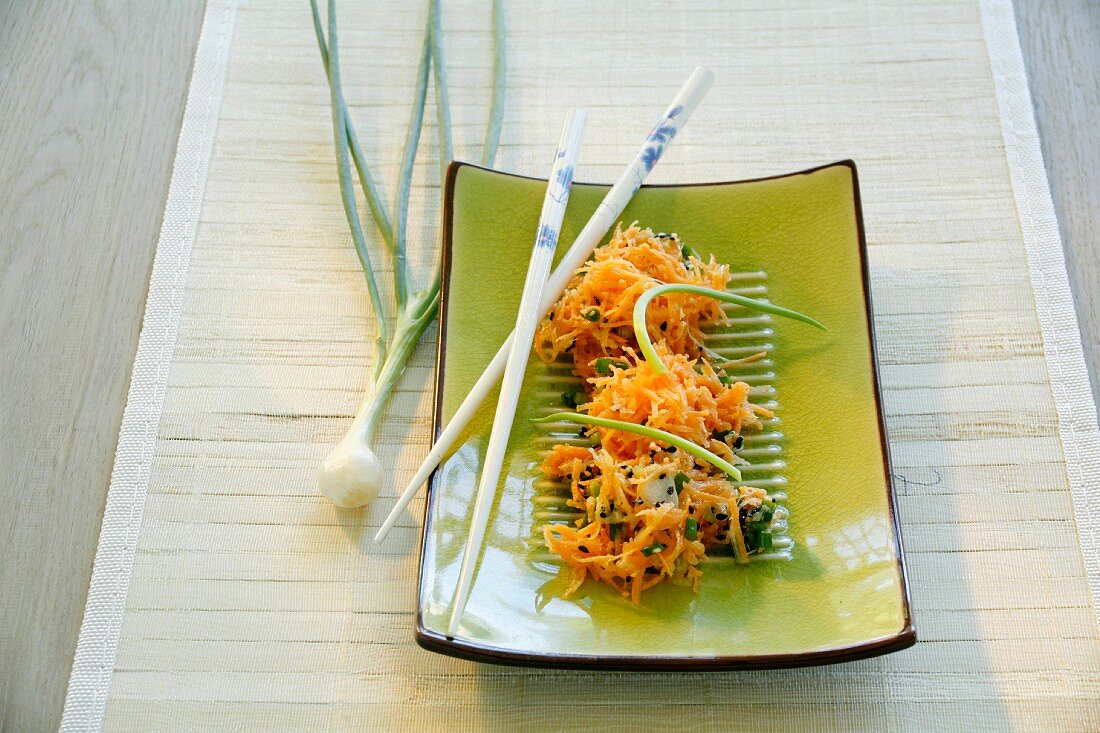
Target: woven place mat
{"type": "Point", "coordinates": [227, 594]}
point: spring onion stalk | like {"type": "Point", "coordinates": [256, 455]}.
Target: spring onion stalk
{"type": "Point", "coordinates": [352, 474]}
{"type": "Point", "coordinates": [646, 432]}
{"type": "Point", "coordinates": [404, 180]}
{"type": "Point", "coordinates": [442, 98]}
{"type": "Point", "coordinates": [370, 190]}
{"type": "Point", "coordinates": [496, 116]}
{"type": "Point", "coordinates": [347, 194]}
{"type": "Point", "coordinates": [641, 330]}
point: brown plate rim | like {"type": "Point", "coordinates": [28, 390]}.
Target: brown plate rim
{"type": "Point", "coordinates": [436, 642]}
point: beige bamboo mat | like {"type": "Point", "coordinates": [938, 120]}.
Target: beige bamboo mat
{"type": "Point", "coordinates": [228, 595]}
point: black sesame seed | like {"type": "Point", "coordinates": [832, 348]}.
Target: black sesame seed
{"type": "Point", "coordinates": [663, 476]}
{"type": "Point", "coordinates": [638, 501]}
{"type": "Point", "coordinates": [721, 536]}
{"type": "Point", "coordinates": [664, 324]}
{"type": "Point", "coordinates": [739, 442]}
{"type": "Point", "coordinates": [721, 517]}
{"type": "Point", "coordinates": [662, 235]}
{"type": "Point", "coordinates": [672, 449]}
{"type": "Point", "coordinates": [691, 510]}
{"type": "Point", "coordinates": [670, 491]}
{"type": "Point", "coordinates": [551, 316]}
{"type": "Point", "coordinates": [603, 515]}
{"type": "Point", "coordinates": [582, 548]}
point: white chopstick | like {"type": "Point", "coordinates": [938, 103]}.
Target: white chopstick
{"type": "Point", "coordinates": [527, 320]}
{"type": "Point", "coordinates": [605, 216]}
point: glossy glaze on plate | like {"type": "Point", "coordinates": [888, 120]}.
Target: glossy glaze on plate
{"type": "Point", "coordinates": [842, 596]}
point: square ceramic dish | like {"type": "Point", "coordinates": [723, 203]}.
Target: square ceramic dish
{"type": "Point", "coordinates": [842, 595]}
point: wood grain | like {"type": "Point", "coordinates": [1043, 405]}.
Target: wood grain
{"type": "Point", "coordinates": [1061, 45]}
{"type": "Point", "coordinates": [91, 97]}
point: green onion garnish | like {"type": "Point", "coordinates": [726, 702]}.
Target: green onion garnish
{"type": "Point", "coordinates": [725, 379]}
{"type": "Point", "coordinates": [687, 252]}
{"type": "Point", "coordinates": [691, 528]}
{"type": "Point", "coordinates": [681, 479]}
{"type": "Point", "coordinates": [652, 549]}
{"type": "Point", "coordinates": [573, 397]}
{"type": "Point", "coordinates": [613, 529]}
{"type": "Point", "coordinates": [604, 364]}
{"type": "Point", "coordinates": [592, 314]}
{"type": "Point", "coordinates": [642, 305]}
{"type": "Point", "coordinates": [645, 431]}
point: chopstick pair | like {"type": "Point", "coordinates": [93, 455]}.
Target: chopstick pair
{"type": "Point", "coordinates": [511, 359]}
{"type": "Point", "coordinates": [605, 216]}
{"type": "Point", "coordinates": [530, 313]}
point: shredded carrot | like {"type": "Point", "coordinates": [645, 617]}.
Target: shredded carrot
{"type": "Point", "coordinates": [648, 513]}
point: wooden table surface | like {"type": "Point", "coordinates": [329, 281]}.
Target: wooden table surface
{"type": "Point", "coordinates": [91, 97]}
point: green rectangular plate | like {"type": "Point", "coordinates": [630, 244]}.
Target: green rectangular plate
{"type": "Point", "coordinates": [842, 596]}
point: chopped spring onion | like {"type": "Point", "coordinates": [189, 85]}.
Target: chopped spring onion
{"type": "Point", "coordinates": [644, 430]}
{"type": "Point", "coordinates": [604, 364]}
{"type": "Point", "coordinates": [643, 304]}
{"type": "Point", "coordinates": [691, 528]}
{"type": "Point", "coordinates": [591, 314]}
{"type": "Point", "coordinates": [681, 479]}
{"type": "Point", "coordinates": [573, 397]}
{"type": "Point", "coordinates": [652, 549]}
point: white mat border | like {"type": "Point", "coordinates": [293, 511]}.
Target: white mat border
{"type": "Point", "coordinates": [89, 683]}
{"type": "Point", "coordinates": [97, 646]}
{"type": "Point", "coordinates": [1073, 398]}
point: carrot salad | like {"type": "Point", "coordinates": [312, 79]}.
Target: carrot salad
{"type": "Point", "coordinates": [649, 512]}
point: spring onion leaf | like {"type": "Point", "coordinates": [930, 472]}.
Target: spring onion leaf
{"type": "Point", "coordinates": [652, 549]}
{"type": "Point", "coordinates": [642, 305]}
{"type": "Point", "coordinates": [691, 528]}
{"type": "Point", "coordinates": [645, 431]}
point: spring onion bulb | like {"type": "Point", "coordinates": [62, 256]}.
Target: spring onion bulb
{"type": "Point", "coordinates": [641, 330]}
{"type": "Point", "coordinates": [647, 432]}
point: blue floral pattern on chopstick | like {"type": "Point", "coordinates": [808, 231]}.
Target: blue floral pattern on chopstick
{"type": "Point", "coordinates": [659, 138]}
{"type": "Point", "coordinates": [562, 182]}
{"type": "Point", "coordinates": [548, 235]}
